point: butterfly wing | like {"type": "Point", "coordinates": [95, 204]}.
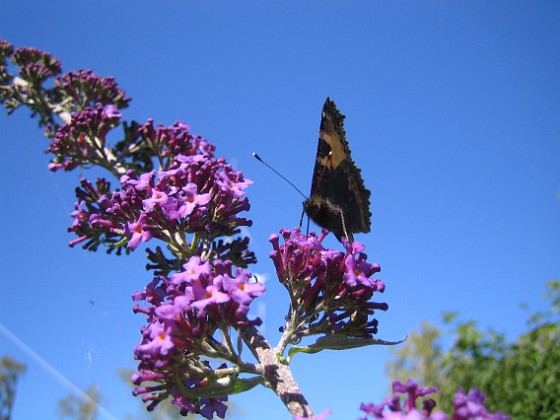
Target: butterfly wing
{"type": "Point", "coordinates": [339, 200]}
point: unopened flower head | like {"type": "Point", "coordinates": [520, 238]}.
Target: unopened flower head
{"type": "Point", "coordinates": [6, 50]}
{"type": "Point", "coordinates": [88, 89]}
{"type": "Point", "coordinates": [81, 141]}
{"type": "Point", "coordinates": [36, 65]}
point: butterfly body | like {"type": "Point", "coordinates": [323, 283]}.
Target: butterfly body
{"type": "Point", "coordinates": [339, 200]}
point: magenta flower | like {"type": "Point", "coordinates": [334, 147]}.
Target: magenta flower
{"type": "Point", "coordinates": [332, 289]}
{"type": "Point", "coordinates": [240, 289]}
{"type": "Point", "coordinates": [409, 411]}
{"type": "Point", "coordinates": [137, 233]}
{"type": "Point", "coordinates": [160, 199]}
{"type": "Point", "coordinates": [467, 407]}
{"type": "Point", "coordinates": [175, 144]}
{"type": "Point", "coordinates": [191, 199]}
{"type": "Point", "coordinates": [143, 183]}
{"type": "Point", "coordinates": [160, 341]}
{"type": "Point", "coordinates": [194, 269]}
{"type": "Point", "coordinates": [184, 312]}
{"type": "Point", "coordinates": [471, 406]}
{"type": "Point", "coordinates": [81, 142]}
{"type": "Point", "coordinates": [35, 64]}
{"type": "Point", "coordinates": [89, 89]}
{"type": "Point", "coordinates": [190, 196]}
{"type": "Point", "coordinates": [207, 296]}
{"type": "Point", "coordinates": [413, 390]}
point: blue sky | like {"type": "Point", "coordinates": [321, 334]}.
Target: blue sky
{"type": "Point", "coordinates": [453, 114]}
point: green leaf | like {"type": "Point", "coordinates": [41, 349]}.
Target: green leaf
{"type": "Point", "coordinates": [221, 387]}
{"type": "Point", "coordinates": [337, 342]}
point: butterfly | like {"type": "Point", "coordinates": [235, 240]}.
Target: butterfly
{"type": "Point", "coordinates": [339, 200]}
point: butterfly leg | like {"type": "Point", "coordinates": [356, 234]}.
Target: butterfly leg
{"type": "Point", "coordinates": [349, 236]}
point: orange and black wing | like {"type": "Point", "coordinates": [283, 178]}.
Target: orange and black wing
{"type": "Point", "coordinates": [339, 200]}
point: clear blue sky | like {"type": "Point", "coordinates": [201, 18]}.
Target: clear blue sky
{"type": "Point", "coordinates": [453, 114]}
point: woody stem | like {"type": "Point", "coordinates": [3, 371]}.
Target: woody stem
{"type": "Point", "coordinates": [277, 374]}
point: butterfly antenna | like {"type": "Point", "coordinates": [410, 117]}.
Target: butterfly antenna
{"type": "Point", "coordinates": [279, 174]}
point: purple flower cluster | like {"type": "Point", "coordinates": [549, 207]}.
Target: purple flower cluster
{"type": "Point", "coordinates": [72, 92]}
{"type": "Point", "coordinates": [471, 406]}
{"type": "Point", "coordinates": [466, 407]}
{"type": "Point", "coordinates": [396, 411]}
{"type": "Point", "coordinates": [36, 65]}
{"type": "Point", "coordinates": [6, 50]}
{"type": "Point", "coordinates": [88, 89]}
{"type": "Point", "coordinates": [168, 142]}
{"type": "Point", "coordinates": [81, 141]}
{"type": "Point", "coordinates": [197, 194]}
{"type": "Point", "coordinates": [332, 289]}
{"type": "Point", "coordinates": [186, 310]}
